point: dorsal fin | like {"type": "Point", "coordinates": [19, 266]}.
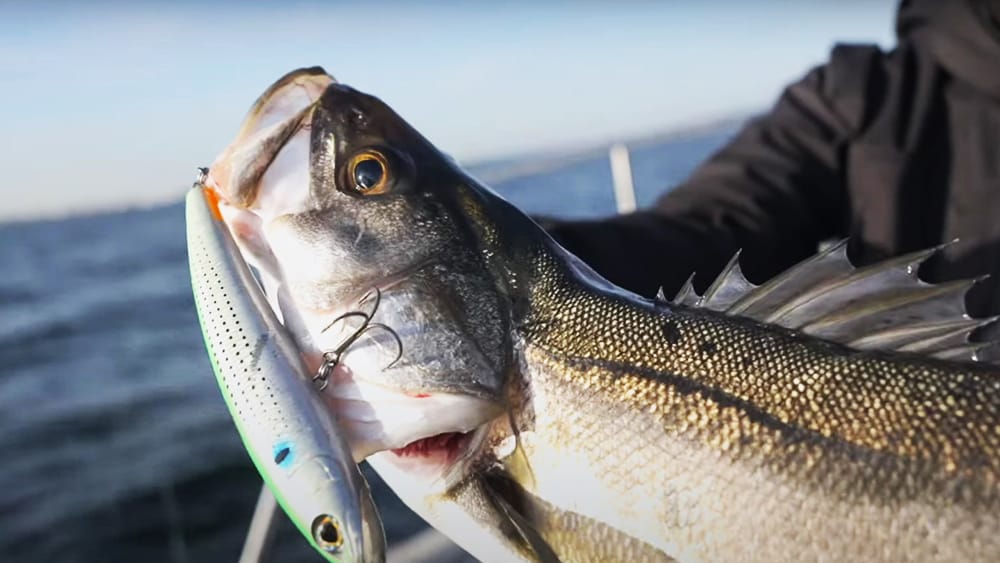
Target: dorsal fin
{"type": "Point", "coordinates": [728, 288]}
{"type": "Point", "coordinates": [883, 306]}
{"type": "Point", "coordinates": [687, 295]}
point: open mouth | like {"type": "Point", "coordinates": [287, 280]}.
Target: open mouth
{"type": "Point", "coordinates": [443, 458]}
{"type": "Point", "coordinates": [444, 448]}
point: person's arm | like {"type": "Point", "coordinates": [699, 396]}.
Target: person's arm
{"type": "Point", "coordinates": [776, 190]}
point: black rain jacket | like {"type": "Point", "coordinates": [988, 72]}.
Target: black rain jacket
{"type": "Point", "coordinates": [898, 150]}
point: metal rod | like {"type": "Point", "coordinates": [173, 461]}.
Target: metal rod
{"type": "Point", "coordinates": [621, 176]}
{"type": "Point", "coordinates": [263, 526]}
{"type": "Point", "coordinates": [178, 546]}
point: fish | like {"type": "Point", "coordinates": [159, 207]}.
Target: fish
{"type": "Point", "coordinates": [288, 431]}
{"type": "Point", "coordinates": [531, 410]}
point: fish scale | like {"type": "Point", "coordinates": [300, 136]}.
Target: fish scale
{"type": "Point", "coordinates": [848, 435]}
{"type": "Point", "coordinates": [810, 384]}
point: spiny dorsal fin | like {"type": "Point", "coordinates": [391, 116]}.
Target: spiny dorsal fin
{"type": "Point", "coordinates": [687, 295]}
{"type": "Point", "coordinates": [884, 306]}
{"type": "Point", "coordinates": [661, 296]}
{"type": "Point", "coordinates": [728, 288]}
{"type": "Point", "coordinates": [896, 338]}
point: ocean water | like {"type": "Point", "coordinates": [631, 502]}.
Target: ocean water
{"type": "Point", "coordinates": [116, 444]}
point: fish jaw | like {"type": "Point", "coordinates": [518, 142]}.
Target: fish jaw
{"type": "Point", "coordinates": [436, 445]}
{"type": "Point", "coordinates": [428, 432]}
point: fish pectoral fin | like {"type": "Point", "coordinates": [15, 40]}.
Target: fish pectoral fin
{"type": "Point", "coordinates": [883, 306]}
{"type": "Point", "coordinates": [500, 491]}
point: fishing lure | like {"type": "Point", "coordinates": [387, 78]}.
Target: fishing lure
{"type": "Point", "coordinates": [285, 426]}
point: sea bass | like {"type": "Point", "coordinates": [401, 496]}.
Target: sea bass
{"type": "Point", "coordinates": [530, 410]}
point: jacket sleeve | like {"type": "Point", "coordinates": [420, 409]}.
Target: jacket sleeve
{"type": "Point", "coordinates": [775, 191]}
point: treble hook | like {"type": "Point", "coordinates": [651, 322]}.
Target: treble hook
{"type": "Point", "coordinates": [332, 358]}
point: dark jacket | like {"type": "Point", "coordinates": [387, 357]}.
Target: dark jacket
{"type": "Point", "coordinates": [899, 150]}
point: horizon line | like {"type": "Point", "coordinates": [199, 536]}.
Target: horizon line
{"type": "Point", "coordinates": [530, 163]}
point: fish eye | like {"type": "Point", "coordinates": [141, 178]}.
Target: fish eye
{"type": "Point", "coordinates": [326, 532]}
{"type": "Point", "coordinates": [369, 171]}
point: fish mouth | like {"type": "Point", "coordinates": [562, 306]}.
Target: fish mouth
{"type": "Point", "coordinates": [442, 448]}
{"type": "Point", "coordinates": [440, 460]}
{"type": "Point", "coordinates": [428, 430]}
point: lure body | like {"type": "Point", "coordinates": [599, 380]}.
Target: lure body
{"type": "Point", "coordinates": [286, 428]}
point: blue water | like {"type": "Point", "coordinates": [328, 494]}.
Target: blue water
{"type": "Point", "coordinates": [115, 444]}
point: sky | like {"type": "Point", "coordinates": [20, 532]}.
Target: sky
{"type": "Point", "coordinates": [114, 104]}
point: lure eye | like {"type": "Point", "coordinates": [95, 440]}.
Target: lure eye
{"type": "Point", "coordinates": [326, 532]}
{"type": "Point", "coordinates": [370, 173]}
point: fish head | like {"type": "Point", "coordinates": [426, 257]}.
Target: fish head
{"type": "Point", "coordinates": [397, 275]}
{"type": "Point", "coordinates": [380, 254]}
